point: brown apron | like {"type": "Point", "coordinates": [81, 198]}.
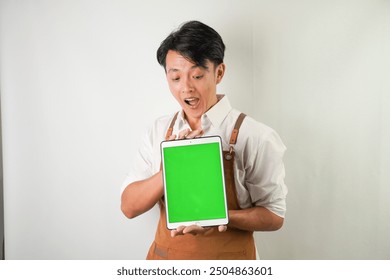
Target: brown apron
{"type": "Point", "coordinates": [232, 244]}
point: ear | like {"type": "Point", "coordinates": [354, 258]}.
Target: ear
{"type": "Point", "coordinates": [219, 72]}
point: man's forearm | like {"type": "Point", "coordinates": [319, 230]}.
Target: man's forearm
{"type": "Point", "coordinates": [140, 196]}
{"type": "Point", "coordinates": [255, 219]}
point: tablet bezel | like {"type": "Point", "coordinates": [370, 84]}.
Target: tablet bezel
{"type": "Point", "coordinates": [190, 142]}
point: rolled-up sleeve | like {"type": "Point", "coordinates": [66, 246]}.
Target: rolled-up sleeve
{"type": "Point", "coordinates": [141, 163]}
{"type": "Point", "coordinates": [265, 174]}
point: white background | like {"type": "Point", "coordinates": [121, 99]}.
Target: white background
{"type": "Point", "coordinates": [80, 84]}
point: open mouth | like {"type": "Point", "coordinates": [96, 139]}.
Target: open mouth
{"type": "Point", "coordinates": [192, 101]}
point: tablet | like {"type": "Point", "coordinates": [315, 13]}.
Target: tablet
{"type": "Point", "coordinates": [194, 182]}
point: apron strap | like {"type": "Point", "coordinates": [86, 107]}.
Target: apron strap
{"type": "Point", "coordinates": [233, 137]}
{"type": "Point", "coordinates": [170, 129]}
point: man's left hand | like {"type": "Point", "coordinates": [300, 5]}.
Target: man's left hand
{"type": "Point", "coordinates": [195, 230]}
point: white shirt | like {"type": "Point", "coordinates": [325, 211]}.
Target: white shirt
{"type": "Point", "coordinates": [258, 166]}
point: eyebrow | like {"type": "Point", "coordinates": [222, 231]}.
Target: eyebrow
{"type": "Point", "coordinates": [193, 67]}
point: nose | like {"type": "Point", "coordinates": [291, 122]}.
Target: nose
{"type": "Point", "coordinates": [186, 86]}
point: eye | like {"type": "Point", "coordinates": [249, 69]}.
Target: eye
{"type": "Point", "coordinates": [175, 79]}
{"type": "Point", "coordinates": [198, 77]}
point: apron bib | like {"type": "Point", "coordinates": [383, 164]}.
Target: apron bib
{"type": "Point", "coordinates": [233, 244]}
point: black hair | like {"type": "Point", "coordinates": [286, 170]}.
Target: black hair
{"type": "Point", "coordinates": [196, 42]}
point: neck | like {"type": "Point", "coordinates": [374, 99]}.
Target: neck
{"type": "Point", "coordinates": [195, 123]}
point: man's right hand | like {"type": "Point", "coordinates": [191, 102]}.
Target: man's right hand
{"type": "Point", "coordinates": [186, 134]}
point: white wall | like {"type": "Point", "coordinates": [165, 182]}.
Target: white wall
{"type": "Point", "coordinates": [322, 80]}
{"type": "Point", "coordinates": [80, 82]}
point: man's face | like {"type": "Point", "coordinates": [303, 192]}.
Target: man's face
{"type": "Point", "coordinates": [194, 87]}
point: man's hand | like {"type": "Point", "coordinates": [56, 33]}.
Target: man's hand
{"type": "Point", "coordinates": [187, 134]}
{"type": "Point", "coordinates": [195, 230]}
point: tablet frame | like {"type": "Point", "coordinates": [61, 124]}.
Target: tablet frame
{"type": "Point", "coordinates": [185, 143]}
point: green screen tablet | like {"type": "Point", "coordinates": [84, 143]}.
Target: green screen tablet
{"type": "Point", "coordinates": [194, 182]}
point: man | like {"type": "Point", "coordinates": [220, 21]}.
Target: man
{"type": "Point", "coordinates": [192, 58]}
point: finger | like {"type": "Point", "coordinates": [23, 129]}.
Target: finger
{"type": "Point", "coordinates": [222, 228]}
{"type": "Point", "coordinates": [178, 231]}
{"type": "Point", "coordinates": [194, 229]}
{"type": "Point", "coordinates": [175, 233]}
{"type": "Point", "coordinates": [195, 133]}
{"type": "Point", "coordinates": [201, 132]}
{"type": "Point", "coordinates": [172, 137]}
{"type": "Point", "coordinates": [183, 134]}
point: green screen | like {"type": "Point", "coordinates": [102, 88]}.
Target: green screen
{"type": "Point", "coordinates": [194, 182]}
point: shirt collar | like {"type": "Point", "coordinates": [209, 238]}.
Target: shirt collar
{"type": "Point", "coordinates": [219, 111]}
